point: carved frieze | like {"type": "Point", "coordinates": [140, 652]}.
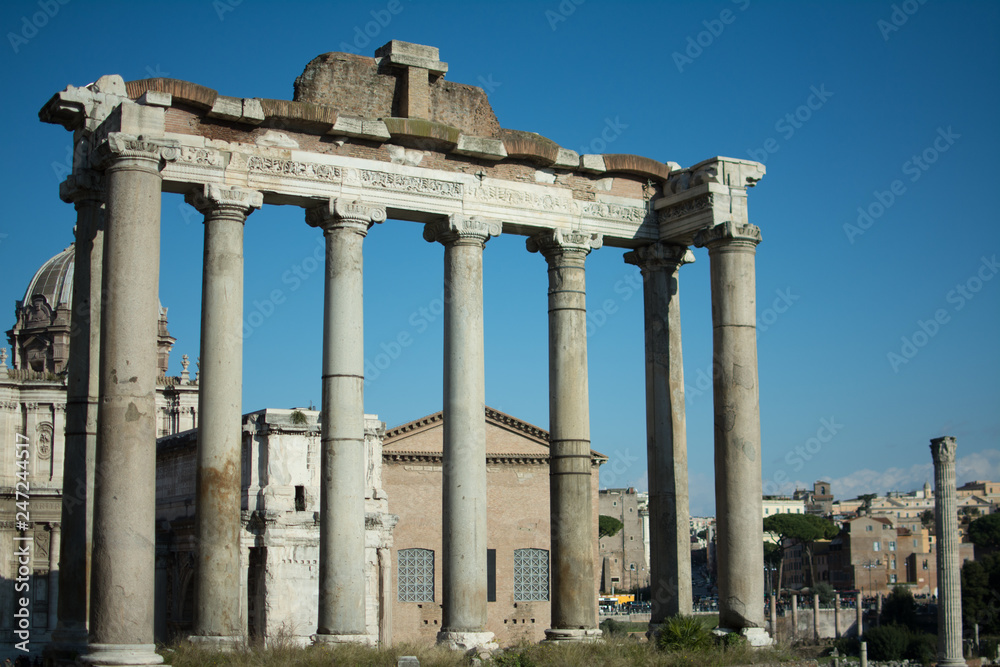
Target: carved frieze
{"type": "Point", "coordinates": [281, 167]}
{"type": "Point", "coordinates": [523, 199]}
{"type": "Point", "coordinates": [610, 211]}
{"type": "Point", "coordinates": [687, 207]}
{"type": "Point", "coordinates": [200, 156]}
{"type": "Point", "coordinates": [415, 184]}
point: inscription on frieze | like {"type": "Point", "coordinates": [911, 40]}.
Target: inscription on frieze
{"type": "Point", "coordinates": [280, 167]}
{"type": "Point", "coordinates": [417, 184]}
{"type": "Point", "coordinates": [608, 211]}
{"type": "Point", "coordinates": [519, 198]}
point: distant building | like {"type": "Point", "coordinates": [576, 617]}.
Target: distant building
{"type": "Point", "coordinates": [872, 555]}
{"type": "Point", "coordinates": [623, 556]}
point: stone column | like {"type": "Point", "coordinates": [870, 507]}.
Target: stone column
{"type": "Point", "coordinates": [574, 594]}
{"type": "Point", "coordinates": [122, 570]}
{"type": "Point", "coordinates": [738, 500]}
{"type": "Point", "coordinates": [795, 614]}
{"type": "Point", "coordinates": [54, 545]}
{"type": "Point", "coordinates": [217, 492]}
{"type": "Point", "coordinates": [836, 616]}
{"type": "Point", "coordinates": [816, 617]}
{"type": "Point", "coordinates": [859, 614]}
{"type": "Point", "coordinates": [666, 433]}
{"type": "Point", "coordinates": [69, 639]}
{"type": "Point", "coordinates": [774, 614]}
{"type": "Point", "coordinates": [385, 597]}
{"type": "Point", "coordinates": [464, 485]}
{"type": "Point", "coordinates": [342, 468]}
{"type": "Point", "coordinates": [949, 576]}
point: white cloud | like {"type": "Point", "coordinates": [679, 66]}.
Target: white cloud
{"type": "Point", "coordinates": [984, 465]}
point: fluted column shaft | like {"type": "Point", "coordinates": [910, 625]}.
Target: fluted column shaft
{"type": "Point", "coordinates": [342, 468]}
{"type": "Point", "coordinates": [54, 546]}
{"type": "Point", "coordinates": [123, 565]}
{"type": "Point", "coordinates": [85, 190]}
{"type": "Point", "coordinates": [948, 572]}
{"type": "Point", "coordinates": [738, 500]}
{"type": "Point", "coordinates": [666, 433]}
{"type": "Point", "coordinates": [464, 479]}
{"type": "Point", "coordinates": [217, 493]}
{"type": "Point", "coordinates": [574, 595]}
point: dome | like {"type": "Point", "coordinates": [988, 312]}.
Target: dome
{"type": "Point", "coordinates": [54, 281]}
{"type": "Point", "coordinates": [40, 338]}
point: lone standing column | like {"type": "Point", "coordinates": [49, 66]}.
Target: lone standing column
{"type": "Point", "coordinates": [666, 433]}
{"type": "Point", "coordinates": [217, 615]}
{"type": "Point", "coordinates": [464, 486]}
{"type": "Point", "coordinates": [86, 190]}
{"type": "Point", "coordinates": [574, 595]}
{"type": "Point", "coordinates": [949, 577]}
{"type": "Point", "coordinates": [342, 468]}
{"type": "Point", "coordinates": [124, 558]}
{"type": "Point", "coordinates": [731, 249]}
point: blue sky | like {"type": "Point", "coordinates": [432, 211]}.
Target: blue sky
{"type": "Point", "coordinates": [878, 294]}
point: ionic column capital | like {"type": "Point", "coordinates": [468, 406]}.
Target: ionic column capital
{"type": "Point", "coordinates": [943, 449]}
{"type": "Point", "coordinates": [84, 185]}
{"type": "Point", "coordinates": [660, 256]}
{"type": "Point", "coordinates": [216, 200]}
{"type": "Point", "coordinates": [119, 146]}
{"type": "Point", "coordinates": [554, 243]}
{"type": "Point", "coordinates": [340, 213]}
{"type": "Point", "coordinates": [462, 230]}
{"type": "Point", "coordinates": [734, 235]}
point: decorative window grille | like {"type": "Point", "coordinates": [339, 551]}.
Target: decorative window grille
{"type": "Point", "coordinates": [416, 575]}
{"type": "Point", "coordinates": [531, 575]}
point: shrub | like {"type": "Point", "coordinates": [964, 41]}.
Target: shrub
{"type": "Point", "coordinates": [684, 633]}
{"type": "Point", "coordinates": [848, 646]}
{"type": "Point", "coordinates": [922, 647]}
{"type": "Point", "coordinates": [612, 628]}
{"type": "Point", "coordinates": [512, 658]}
{"type": "Point", "coordinates": [887, 642]}
{"type": "Point", "coordinates": [825, 591]}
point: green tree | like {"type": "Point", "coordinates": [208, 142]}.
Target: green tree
{"type": "Point", "coordinates": [900, 608]}
{"type": "Point", "coordinates": [608, 526]}
{"type": "Point", "coordinates": [801, 529]}
{"type": "Point", "coordinates": [981, 594]}
{"type": "Point", "coordinates": [985, 532]}
{"type": "Point", "coordinates": [866, 502]}
{"type": "Point", "coordinates": [927, 519]}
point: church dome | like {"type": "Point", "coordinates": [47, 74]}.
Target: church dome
{"type": "Point", "coordinates": [40, 337]}
{"type": "Point", "coordinates": [54, 281]}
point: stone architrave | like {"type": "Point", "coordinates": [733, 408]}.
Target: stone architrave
{"type": "Point", "coordinates": [574, 597]}
{"type": "Point", "coordinates": [217, 492]}
{"type": "Point", "coordinates": [85, 190]}
{"type": "Point", "coordinates": [666, 433]}
{"type": "Point", "coordinates": [731, 249]}
{"type": "Point", "coordinates": [464, 477]}
{"type": "Point", "coordinates": [345, 224]}
{"type": "Point", "coordinates": [949, 575]}
{"type": "Point", "coordinates": [124, 558]}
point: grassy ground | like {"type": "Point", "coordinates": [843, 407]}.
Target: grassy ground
{"type": "Point", "coordinates": [614, 652]}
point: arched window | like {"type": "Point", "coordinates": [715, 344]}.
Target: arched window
{"type": "Point", "coordinates": [531, 575]}
{"type": "Point", "coordinates": [415, 575]}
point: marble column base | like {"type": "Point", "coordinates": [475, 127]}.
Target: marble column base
{"type": "Point", "coordinates": [951, 662]}
{"type": "Point", "coordinates": [556, 635]}
{"type": "Point", "coordinates": [756, 637]}
{"type": "Point", "coordinates": [215, 642]}
{"type": "Point", "coordinates": [366, 640]}
{"type": "Point", "coordinates": [467, 641]}
{"type": "Point", "coordinates": [120, 655]}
